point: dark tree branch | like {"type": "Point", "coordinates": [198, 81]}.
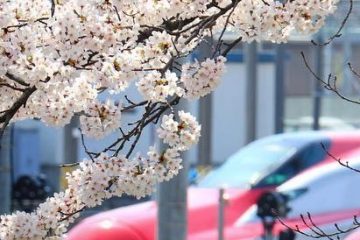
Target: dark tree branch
{"type": "Point", "coordinates": [219, 42]}
{"type": "Point", "coordinates": [16, 79]}
{"type": "Point", "coordinates": [7, 115]}
{"type": "Point", "coordinates": [231, 46]}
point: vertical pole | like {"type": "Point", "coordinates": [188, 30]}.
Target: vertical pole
{"type": "Point", "coordinates": [70, 150]}
{"type": "Point", "coordinates": [251, 96]}
{"type": "Point", "coordinates": [172, 210]}
{"type": "Point", "coordinates": [5, 172]}
{"type": "Point", "coordinates": [221, 214]}
{"type": "Point", "coordinates": [205, 117]}
{"type": "Point", "coordinates": [279, 88]}
{"type": "Point", "coordinates": [71, 142]}
{"type": "Point", "coordinates": [172, 201]}
{"type": "Point", "coordinates": [318, 88]}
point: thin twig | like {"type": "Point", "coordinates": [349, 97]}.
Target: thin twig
{"type": "Point", "coordinates": [344, 164]}
{"type": "Point", "coordinates": [338, 33]}
{"type": "Point", "coordinates": [327, 84]}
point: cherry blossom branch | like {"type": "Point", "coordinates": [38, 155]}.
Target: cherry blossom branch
{"type": "Point", "coordinates": [8, 114]}
{"type": "Point", "coordinates": [329, 84]}
{"type": "Point", "coordinates": [353, 70]}
{"type": "Point", "coordinates": [219, 41]}
{"type": "Point", "coordinates": [316, 231]}
{"type": "Point", "coordinates": [11, 87]}
{"type": "Point", "coordinates": [230, 46]}
{"type": "Point", "coordinates": [341, 162]}
{"type": "Point", "coordinates": [7, 29]}
{"type": "Point", "coordinates": [151, 114]}
{"type": "Point", "coordinates": [338, 33]}
{"type": "Point", "coordinates": [16, 79]}
{"type": "Point", "coordinates": [90, 154]}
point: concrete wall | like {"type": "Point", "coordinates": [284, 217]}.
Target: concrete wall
{"type": "Point", "coordinates": [229, 111]}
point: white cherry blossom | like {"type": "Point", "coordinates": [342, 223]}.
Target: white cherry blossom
{"type": "Point", "coordinates": [59, 59]}
{"type": "Point", "coordinates": [100, 119]}
{"type": "Point", "coordinates": [181, 134]}
{"type": "Point", "coordinates": [200, 79]}
{"type": "Point", "coordinates": [157, 87]}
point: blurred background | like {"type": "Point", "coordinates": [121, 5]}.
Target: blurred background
{"type": "Point", "coordinates": [266, 90]}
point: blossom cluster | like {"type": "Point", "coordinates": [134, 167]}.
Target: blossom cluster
{"type": "Point", "coordinates": [275, 21]}
{"type": "Point", "coordinates": [100, 119]}
{"type": "Point", "coordinates": [181, 134]}
{"type": "Point", "coordinates": [98, 179]}
{"type": "Point", "coordinates": [200, 79]}
{"type": "Point", "coordinates": [156, 88]}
